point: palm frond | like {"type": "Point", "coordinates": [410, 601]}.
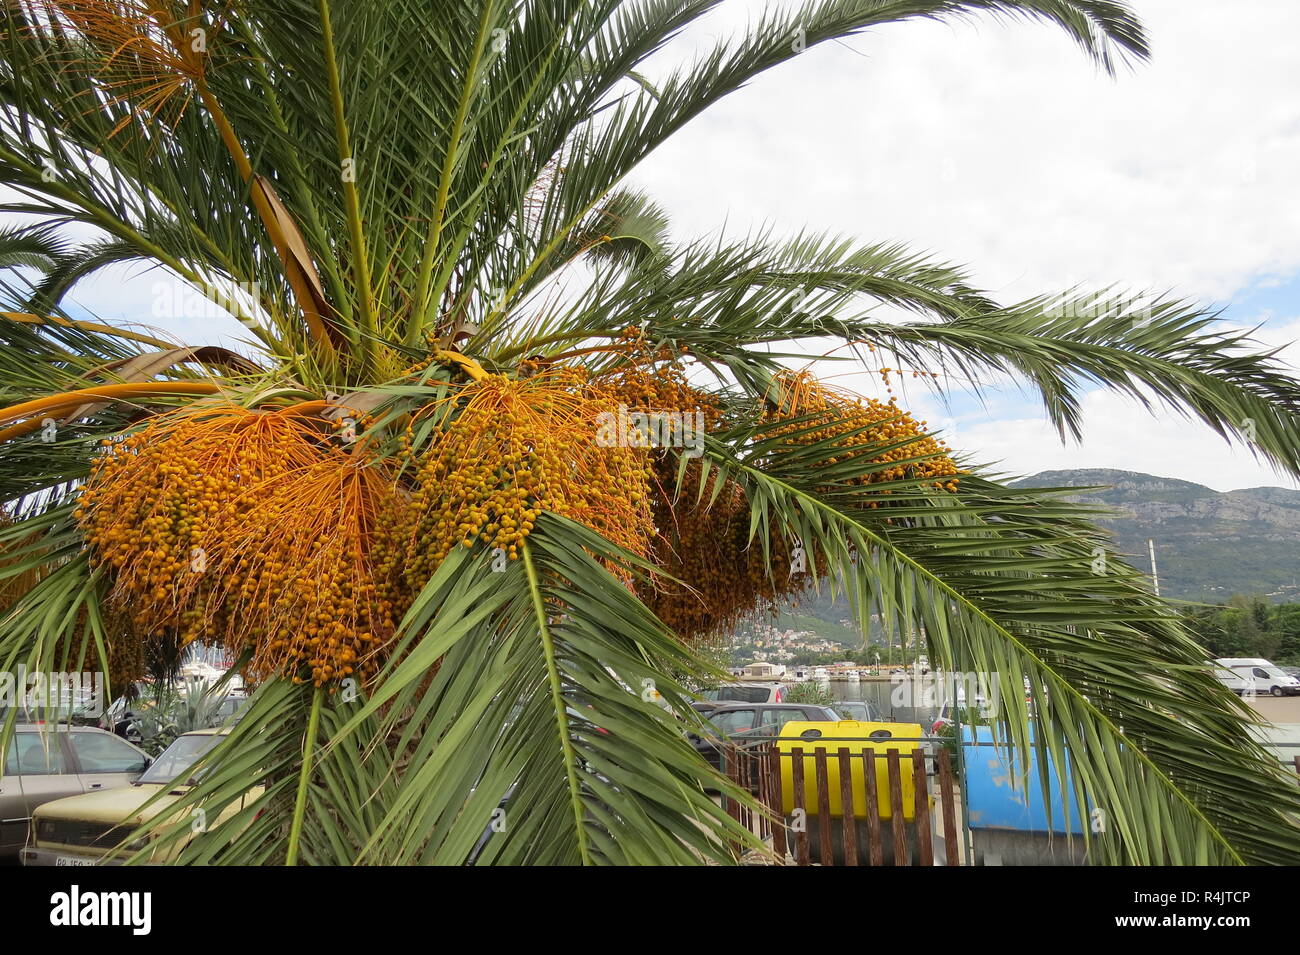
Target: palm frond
{"type": "Point", "coordinates": [515, 707]}
{"type": "Point", "coordinates": [389, 181]}
{"type": "Point", "coordinates": [733, 306]}
{"type": "Point", "coordinates": [1018, 587]}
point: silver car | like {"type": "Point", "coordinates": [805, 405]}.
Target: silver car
{"type": "Point", "coordinates": [745, 693]}
{"type": "Point", "coordinates": [859, 710]}
{"type": "Point", "coordinates": [48, 762]}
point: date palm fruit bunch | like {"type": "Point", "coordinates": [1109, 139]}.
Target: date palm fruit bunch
{"type": "Point", "coordinates": [501, 451]}
{"type": "Point", "coordinates": [247, 529]}
{"type": "Point", "coordinates": [715, 567]}
{"type": "Point", "coordinates": [156, 504]}
{"type": "Point", "coordinates": [311, 579]}
{"type": "Point", "coordinates": [815, 413]}
{"type": "Point", "coordinates": [711, 571]}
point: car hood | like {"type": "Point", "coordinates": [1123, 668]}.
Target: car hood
{"type": "Point", "coordinates": [112, 805]}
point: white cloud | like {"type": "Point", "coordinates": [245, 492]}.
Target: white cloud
{"type": "Point", "coordinates": [1000, 146]}
{"type": "Point", "coordinates": [1118, 436]}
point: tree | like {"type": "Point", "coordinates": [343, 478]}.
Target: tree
{"type": "Point", "coordinates": [1288, 625]}
{"type": "Point", "coordinates": [502, 450]}
{"type": "Point", "coordinates": [1247, 627]}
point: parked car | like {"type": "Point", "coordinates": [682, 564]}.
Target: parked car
{"type": "Point", "coordinates": [1267, 677]}
{"type": "Point", "coordinates": [85, 830]}
{"type": "Point", "coordinates": [230, 707]}
{"type": "Point", "coordinates": [859, 710]}
{"type": "Point", "coordinates": [53, 761]}
{"type": "Point", "coordinates": [743, 721]}
{"type": "Point", "coordinates": [123, 717]}
{"type": "Point", "coordinates": [745, 693]}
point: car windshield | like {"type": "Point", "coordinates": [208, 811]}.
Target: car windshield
{"type": "Point", "coordinates": [175, 762]}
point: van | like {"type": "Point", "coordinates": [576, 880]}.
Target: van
{"type": "Point", "coordinates": [1230, 678]}
{"type": "Point", "coordinates": [1262, 675]}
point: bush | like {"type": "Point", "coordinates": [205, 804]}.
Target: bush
{"type": "Point", "coordinates": [174, 714]}
{"type": "Point", "coordinates": [817, 694]}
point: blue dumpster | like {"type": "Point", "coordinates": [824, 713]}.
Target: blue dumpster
{"type": "Point", "coordinates": [1008, 816]}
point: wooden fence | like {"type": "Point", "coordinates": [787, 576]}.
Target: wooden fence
{"type": "Point", "coordinates": [902, 804]}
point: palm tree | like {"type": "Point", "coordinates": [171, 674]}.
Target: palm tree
{"type": "Point", "coordinates": [501, 453]}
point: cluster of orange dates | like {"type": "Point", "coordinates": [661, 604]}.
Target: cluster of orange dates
{"type": "Point", "coordinates": [267, 531]}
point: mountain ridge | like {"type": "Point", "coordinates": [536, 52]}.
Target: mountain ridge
{"type": "Point", "coordinates": [1209, 544]}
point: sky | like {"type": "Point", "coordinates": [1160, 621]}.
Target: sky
{"type": "Point", "coordinates": [999, 145]}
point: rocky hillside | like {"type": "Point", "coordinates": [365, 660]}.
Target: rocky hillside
{"type": "Point", "coordinates": [1209, 544]}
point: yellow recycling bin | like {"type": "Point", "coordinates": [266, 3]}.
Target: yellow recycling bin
{"type": "Point", "coordinates": [857, 737]}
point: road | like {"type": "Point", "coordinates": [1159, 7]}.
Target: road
{"type": "Point", "coordinates": [1284, 735]}
{"type": "Point", "coordinates": [1283, 709]}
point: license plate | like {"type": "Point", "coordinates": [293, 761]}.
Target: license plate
{"type": "Point", "coordinates": [73, 860]}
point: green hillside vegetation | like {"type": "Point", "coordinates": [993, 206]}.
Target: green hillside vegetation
{"type": "Point", "coordinates": [827, 629]}
{"type": "Point", "coordinates": [1249, 627]}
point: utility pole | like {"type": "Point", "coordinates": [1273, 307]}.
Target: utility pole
{"type": "Point", "coordinates": [1155, 575]}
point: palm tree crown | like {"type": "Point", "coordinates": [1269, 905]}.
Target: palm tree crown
{"type": "Point", "coordinates": [501, 450]}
